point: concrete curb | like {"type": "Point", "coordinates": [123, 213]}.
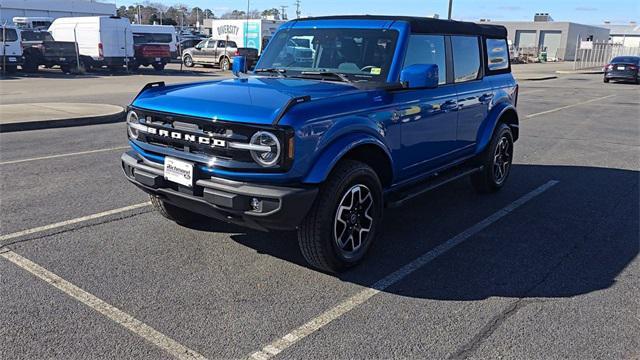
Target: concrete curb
{"type": "Point", "coordinates": [579, 72]}
{"type": "Point", "coordinates": [60, 123]}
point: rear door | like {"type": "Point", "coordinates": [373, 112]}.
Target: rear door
{"type": "Point", "coordinates": [117, 38]}
{"type": "Point", "coordinates": [474, 91]}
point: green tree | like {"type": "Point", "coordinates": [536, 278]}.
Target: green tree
{"type": "Point", "coordinates": [271, 12]}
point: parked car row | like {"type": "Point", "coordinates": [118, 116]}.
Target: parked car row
{"type": "Point", "coordinates": [111, 42]}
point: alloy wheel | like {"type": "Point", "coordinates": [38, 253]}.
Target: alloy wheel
{"type": "Point", "coordinates": [353, 220]}
{"type": "Point", "coordinates": [502, 160]}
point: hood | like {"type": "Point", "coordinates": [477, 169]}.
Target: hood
{"type": "Point", "coordinates": [256, 100]}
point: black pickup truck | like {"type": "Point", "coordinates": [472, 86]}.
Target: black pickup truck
{"type": "Point", "coordinates": [39, 48]}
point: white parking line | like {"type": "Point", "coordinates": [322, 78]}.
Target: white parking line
{"type": "Point", "coordinates": [342, 308]}
{"type": "Point", "coordinates": [72, 221]}
{"type": "Point", "coordinates": [129, 322]}
{"type": "Point", "coordinates": [568, 106]}
{"type": "Point", "coordinates": [63, 155]}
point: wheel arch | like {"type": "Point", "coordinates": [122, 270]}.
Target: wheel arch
{"type": "Point", "coordinates": [502, 113]}
{"type": "Point", "coordinates": [361, 147]}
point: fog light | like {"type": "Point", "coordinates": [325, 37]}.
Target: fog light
{"type": "Point", "coordinates": [256, 205]}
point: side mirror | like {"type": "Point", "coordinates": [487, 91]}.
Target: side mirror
{"type": "Point", "coordinates": [420, 76]}
{"type": "Point", "coordinates": [239, 65]}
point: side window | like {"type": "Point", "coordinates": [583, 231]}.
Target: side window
{"type": "Point", "coordinates": [497, 54]}
{"type": "Point", "coordinates": [211, 44]}
{"type": "Point", "coordinates": [202, 44]}
{"type": "Point", "coordinates": [222, 44]}
{"type": "Point", "coordinates": [427, 49]}
{"type": "Point", "coordinates": [466, 58]}
{"type": "Point", "coordinates": [232, 44]}
{"type": "Point", "coordinates": [10, 34]}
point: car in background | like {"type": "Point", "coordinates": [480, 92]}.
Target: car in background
{"type": "Point", "coordinates": [40, 49]}
{"type": "Point", "coordinates": [188, 43]}
{"type": "Point", "coordinates": [623, 68]}
{"type": "Point", "coordinates": [211, 52]}
{"type": "Point", "coordinates": [156, 34]}
{"type": "Point", "coordinates": [10, 48]}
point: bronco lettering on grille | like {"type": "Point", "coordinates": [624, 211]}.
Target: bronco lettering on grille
{"type": "Point", "coordinates": [188, 137]}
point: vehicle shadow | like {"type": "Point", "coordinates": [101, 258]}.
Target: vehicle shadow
{"type": "Point", "coordinates": [573, 239]}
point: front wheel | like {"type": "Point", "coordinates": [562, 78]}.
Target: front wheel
{"type": "Point", "coordinates": [496, 161]}
{"type": "Point", "coordinates": [171, 212]}
{"type": "Point", "coordinates": [606, 80]}
{"type": "Point", "coordinates": [187, 61]}
{"type": "Point", "coordinates": [344, 219]}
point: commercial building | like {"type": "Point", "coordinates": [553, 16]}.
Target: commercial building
{"type": "Point", "coordinates": [53, 8]}
{"type": "Point", "coordinates": [557, 38]}
{"type": "Point", "coordinates": [626, 35]}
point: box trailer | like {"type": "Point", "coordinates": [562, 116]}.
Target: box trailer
{"type": "Point", "coordinates": [251, 33]}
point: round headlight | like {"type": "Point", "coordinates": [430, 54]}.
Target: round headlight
{"type": "Point", "coordinates": [266, 158]}
{"type": "Point", "coordinates": [132, 118]}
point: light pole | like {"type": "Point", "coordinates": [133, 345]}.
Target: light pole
{"type": "Point", "coordinates": [246, 26]}
{"type": "Point", "coordinates": [450, 7]}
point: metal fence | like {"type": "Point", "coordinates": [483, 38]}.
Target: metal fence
{"type": "Point", "coordinates": [596, 55]}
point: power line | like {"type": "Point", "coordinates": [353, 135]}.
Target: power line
{"type": "Point", "coordinates": [283, 12]}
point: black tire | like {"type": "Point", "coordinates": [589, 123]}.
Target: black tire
{"type": "Point", "coordinates": [173, 213]}
{"type": "Point", "coordinates": [492, 179]}
{"type": "Point", "coordinates": [158, 67]}
{"type": "Point", "coordinates": [133, 66]}
{"type": "Point", "coordinates": [606, 80]}
{"type": "Point", "coordinates": [11, 69]}
{"type": "Point", "coordinates": [187, 60]}
{"type": "Point", "coordinates": [225, 63]}
{"type": "Point", "coordinates": [318, 236]}
{"type": "Point", "coordinates": [29, 66]}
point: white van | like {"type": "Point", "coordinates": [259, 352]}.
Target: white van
{"type": "Point", "coordinates": [107, 40]}
{"type": "Point", "coordinates": [157, 34]}
{"type": "Point", "coordinates": [10, 48]}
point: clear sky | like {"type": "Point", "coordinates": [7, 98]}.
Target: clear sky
{"type": "Point", "coordinates": [581, 11]}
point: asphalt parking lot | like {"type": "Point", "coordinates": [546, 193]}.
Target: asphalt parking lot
{"type": "Point", "coordinates": [547, 268]}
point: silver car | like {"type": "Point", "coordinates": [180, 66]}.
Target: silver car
{"type": "Point", "coordinates": [211, 52]}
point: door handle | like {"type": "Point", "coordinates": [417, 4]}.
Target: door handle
{"type": "Point", "coordinates": [486, 97]}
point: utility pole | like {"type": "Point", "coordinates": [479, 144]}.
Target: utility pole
{"type": "Point", "coordinates": [450, 8]}
{"type": "Point", "coordinates": [298, 13]}
{"type": "Point", "coordinates": [283, 12]}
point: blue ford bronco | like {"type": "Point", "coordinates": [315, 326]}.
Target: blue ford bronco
{"type": "Point", "coordinates": [382, 110]}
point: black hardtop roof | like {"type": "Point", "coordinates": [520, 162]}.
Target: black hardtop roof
{"type": "Point", "coordinates": [429, 25]}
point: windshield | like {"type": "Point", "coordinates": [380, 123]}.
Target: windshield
{"type": "Point", "coordinates": [358, 54]}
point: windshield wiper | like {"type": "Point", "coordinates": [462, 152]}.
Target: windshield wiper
{"type": "Point", "coordinates": [336, 75]}
{"type": "Point", "coordinates": [279, 72]}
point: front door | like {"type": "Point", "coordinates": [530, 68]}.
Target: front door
{"type": "Point", "coordinates": [428, 117]}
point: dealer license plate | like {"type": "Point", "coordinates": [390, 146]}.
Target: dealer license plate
{"type": "Point", "coordinates": [63, 59]}
{"type": "Point", "coordinates": [158, 59]}
{"type": "Point", "coordinates": [178, 171]}
{"type": "Point", "coordinates": [12, 59]}
{"type": "Point", "coordinates": [620, 67]}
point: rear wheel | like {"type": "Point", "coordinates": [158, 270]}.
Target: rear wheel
{"type": "Point", "coordinates": [225, 64]}
{"type": "Point", "coordinates": [344, 219]}
{"type": "Point", "coordinates": [606, 80]}
{"type": "Point", "coordinates": [188, 61]}
{"type": "Point", "coordinates": [496, 161]}
{"type": "Point", "coordinates": [11, 69]}
{"type": "Point", "coordinates": [158, 67]}
{"type": "Point", "coordinates": [173, 213]}
{"type": "Point", "coordinates": [133, 65]}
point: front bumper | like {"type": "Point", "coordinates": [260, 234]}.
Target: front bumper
{"type": "Point", "coordinates": [11, 60]}
{"type": "Point", "coordinates": [283, 208]}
